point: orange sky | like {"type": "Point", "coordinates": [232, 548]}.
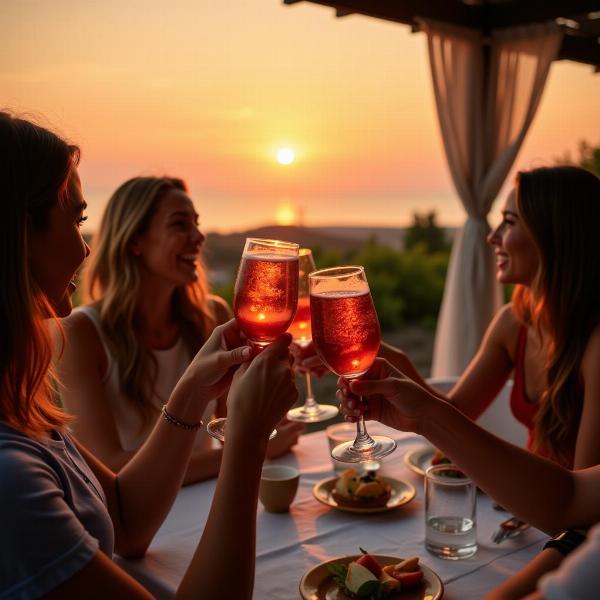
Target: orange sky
{"type": "Point", "coordinates": [209, 91]}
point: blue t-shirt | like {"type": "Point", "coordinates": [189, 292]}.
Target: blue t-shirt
{"type": "Point", "coordinates": [53, 515]}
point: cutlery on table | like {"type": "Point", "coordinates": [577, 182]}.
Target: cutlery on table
{"type": "Point", "coordinates": [509, 529]}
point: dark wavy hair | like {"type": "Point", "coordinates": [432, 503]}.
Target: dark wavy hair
{"type": "Point", "coordinates": [560, 206]}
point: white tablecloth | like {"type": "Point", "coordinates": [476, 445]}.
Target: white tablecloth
{"type": "Point", "coordinates": [290, 544]}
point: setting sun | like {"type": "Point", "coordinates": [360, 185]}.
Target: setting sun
{"type": "Point", "coordinates": [285, 156]}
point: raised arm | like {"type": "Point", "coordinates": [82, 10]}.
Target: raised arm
{"type": "Point", "coordinates": [260, 395]}
{"type": "Point", "coordinates": [537, 490]}
{"type": "Point", "coordinates": [157, 469]}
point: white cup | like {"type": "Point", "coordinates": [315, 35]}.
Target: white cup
{"type": "Point", "coordinates": [278, 486]}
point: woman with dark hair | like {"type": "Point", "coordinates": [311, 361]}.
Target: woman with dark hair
{"type": "Point", "coordinates": [149, 312]}
{"type": "Point", "coordinates": [62, 512]}
{"type": "Point", "coordinates": [550, 337]}
{"type": "Point", "coordinates": [546, 245]}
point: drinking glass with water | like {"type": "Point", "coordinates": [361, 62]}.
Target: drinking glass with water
{"type": "Point", "coordinates": [450, 517]}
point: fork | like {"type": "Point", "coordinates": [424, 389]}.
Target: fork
{"type": "Point", "coordinates": [508, 529]}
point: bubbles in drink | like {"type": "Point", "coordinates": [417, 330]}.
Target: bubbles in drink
{"type": "Point", "coordinates": [345, 330]}
{"type": "Point", "coordinates": [266, 295]}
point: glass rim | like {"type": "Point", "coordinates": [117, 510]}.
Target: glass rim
{"type": "Point", "coordinates": [431, 474]}
{"type": "Point", "coordinates": [334, 272]}
{"type": "Point", "coordinates": [304, 251]}
{"type": "Point", "coordinates": [274, 243]}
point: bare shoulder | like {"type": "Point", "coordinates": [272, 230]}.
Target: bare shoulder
{"type": "Point", "coordinates": [505, 326]}
{"type": "Point", "coordinates": [81, 337]}
{"type": "Point", "coordinates": [221, 309]}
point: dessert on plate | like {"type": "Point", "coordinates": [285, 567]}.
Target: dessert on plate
{"type": "Point", "coordinates": [367, 490]}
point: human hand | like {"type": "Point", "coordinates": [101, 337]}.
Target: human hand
{"type": "Point", "coordinates": [262, 392]}
{"type": "Point", "coordinates": [388, 396]}
{"type": "Point", "coordinates": [306, 360]}
{"type": "Point", "coordinates": [210, 372]}
{"type": "Point", "coordinates": [287, 436]}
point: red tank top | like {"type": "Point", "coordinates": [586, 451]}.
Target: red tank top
{"type": "Point", "coordinates": [523, 410]}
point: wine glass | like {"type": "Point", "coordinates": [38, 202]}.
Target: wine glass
{"type": "Point", "coordinates": [310, 412]}
{"type": "Point", "coordinates": [346, 335]}
{"type": "Point", "coordinates": [265, 297]}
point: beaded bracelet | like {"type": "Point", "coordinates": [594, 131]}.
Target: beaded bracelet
{"type": "Point", "coordinates": [566, 541]}
{"type": "Point", "coordinates": [171, 420]}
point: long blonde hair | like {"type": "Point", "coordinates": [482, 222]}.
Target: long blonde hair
{"type": "Point", "coordinates": [34, 172]}
{"type": "Point", "coordinates": [113, 279]}
{"type": "Point", "coordinates": [560, 206]}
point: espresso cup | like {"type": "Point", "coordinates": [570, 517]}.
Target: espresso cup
{"type": "Point", "coordinates": [278, 485]}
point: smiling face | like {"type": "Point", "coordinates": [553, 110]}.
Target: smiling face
{"type": "Point", "coordinates": [170, 246]}
{"type": "Point", "coordinates": [57, 250]}
{"type": "Point", "coordinates": [517, 256]}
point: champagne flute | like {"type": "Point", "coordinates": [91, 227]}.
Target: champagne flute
{"type": "Point", "coordinates": [265, 298]}
{"type": "Point", "coordinates": [346, 335]}
{"type": "Point", "coordinates": [310, 412]}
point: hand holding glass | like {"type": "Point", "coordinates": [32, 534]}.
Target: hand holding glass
{"type": "Point", "coordinates": [265, 297]}
{"type": "Point", "coordinates": [310, 412]}
{"type": "Point", "coordinates": [346, 335]}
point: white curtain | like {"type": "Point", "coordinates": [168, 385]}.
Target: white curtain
{"type": "Point", "coordinates": [487, 91]}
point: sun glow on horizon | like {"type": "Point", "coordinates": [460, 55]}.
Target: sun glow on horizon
{"type": "Point", "coordinates": [285, 215]}
{"type": "Point", "coordinates": [285, 156]}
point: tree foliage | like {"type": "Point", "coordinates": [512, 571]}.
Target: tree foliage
{"type": "Point", "coordinates": [425, 232]}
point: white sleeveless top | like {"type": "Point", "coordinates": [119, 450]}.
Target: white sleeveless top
{"type": "Point", "coordinates": [171, 364]}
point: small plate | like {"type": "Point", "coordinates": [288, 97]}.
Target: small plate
{"type": "Point", "coordinates": [402, 493]}
{"type": "Point", "coordinates": [419, 460]}
{"type": "Point", "coordinates": [318, 584]}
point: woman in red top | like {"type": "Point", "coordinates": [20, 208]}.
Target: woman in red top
{"type": "Point", "coordinates": [549, 335]}
{"type": "Point", "coordinates": [547, 246]}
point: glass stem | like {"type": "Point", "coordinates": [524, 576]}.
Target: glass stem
{"type": "Point", "coordinates": [310, 405]}
{"type": "Point", "coordinates": [363, 442]}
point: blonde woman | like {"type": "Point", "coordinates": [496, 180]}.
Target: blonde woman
{"type": "Point", "coordinates": [149, 314]}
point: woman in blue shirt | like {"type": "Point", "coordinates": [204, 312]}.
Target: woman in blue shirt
{"type": "Point", "coordinates": [61, 510]}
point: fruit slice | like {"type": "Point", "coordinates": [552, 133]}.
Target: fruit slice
{"type": "Point", "coordinates": [347, 482]}
{"type": "Point", "coordinates": [389, 583]}
{"type": "Point", "coordinates": [357, 576]}
{"type": "Point", "coordinates": [407, 579]}
{"type": "Point", "coordinates": [369, 490]}
{"type": "Point", "coordinates": [370, 562]}
{"type": "Point", "coordinates": [409, 564]}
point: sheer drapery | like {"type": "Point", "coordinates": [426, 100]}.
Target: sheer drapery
{"type": "Point", "coordinates": [487, 91]}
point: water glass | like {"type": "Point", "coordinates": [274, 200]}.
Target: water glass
{"type": "Point", "coordinates": [450, 519]}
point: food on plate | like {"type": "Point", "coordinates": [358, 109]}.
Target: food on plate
{"type": "Point", "coordinates": [368, 490]}
{"type": "Point", "coordinates": [439, 458]}
{"type": "Point", "coordinates": [366, 578]}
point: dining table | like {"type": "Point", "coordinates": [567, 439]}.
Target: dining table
{"type": "Point", "coordinates": [289, 544]}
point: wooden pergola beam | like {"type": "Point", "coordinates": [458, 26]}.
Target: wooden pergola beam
{"type": "Point", "coordinates": [405, 11]}
{"type": "Point", "coordinates": [509, 14]}
{"type": "Point", "coordinates": [580, 46]}
{"type": "Point", "coordinates": [580, 49]}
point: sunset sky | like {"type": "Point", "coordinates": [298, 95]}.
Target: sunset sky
{"type": "Point", "coordinates": [210, 91]}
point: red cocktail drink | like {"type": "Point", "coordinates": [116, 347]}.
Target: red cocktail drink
{"type": "Point", "coordinates": [300, 328]}
{"type": "Point", "coordinates": [266, 295]}
{"type": "Point", "coordinates": [345, 331]}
